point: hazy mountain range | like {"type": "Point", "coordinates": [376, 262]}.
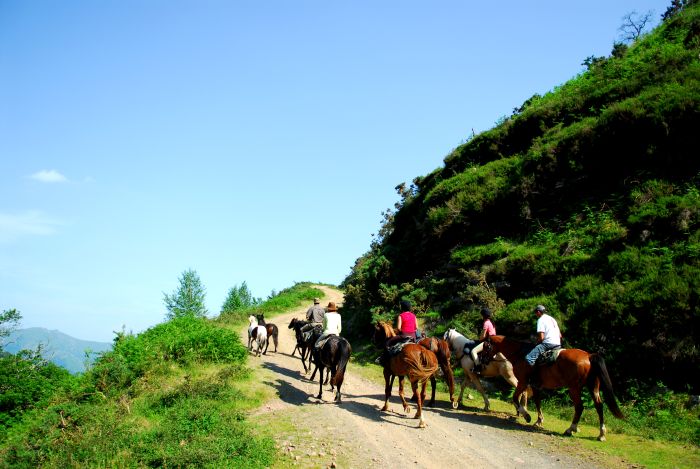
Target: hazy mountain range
{"type": "Point", "coordinates": [60, 348]}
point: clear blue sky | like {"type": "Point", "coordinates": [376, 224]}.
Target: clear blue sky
{"type": "Point", "coordinates": [253, 141]}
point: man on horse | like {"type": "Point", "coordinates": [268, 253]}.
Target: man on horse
{"type": "Point", "coordinates": [315, 316]}
{"type": "Point", "coordinates": [548, 336]}
{"type": "Point", "coordinates": [331, 325]}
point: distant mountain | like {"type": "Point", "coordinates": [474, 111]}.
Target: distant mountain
{"type": "Point", "coordinates": [60, 348]}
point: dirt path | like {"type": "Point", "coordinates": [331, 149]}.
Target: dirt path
{"type": "Point", "coordinates": [355, 434]}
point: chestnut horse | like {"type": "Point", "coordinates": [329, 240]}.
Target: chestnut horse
{"type": "Point", "coordinates": [497, 366]}
{"type": "Point", "coordinates": [573, 369]}
{"type": "Point", "coordinates": [414, 361]}
{"type": "Point", "coordinates": [441, 349]}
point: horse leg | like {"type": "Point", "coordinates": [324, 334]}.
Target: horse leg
{"type": "Point", "coordinates": [320, 380]}
{"type": "Point", "coordinates": [575, 395]}
{"type": "Point", "coordinates": [388, 382]}
{"type": "Point", "coordinates": [519, 409]}
{"type": "Point", "coordinates": [467, 366]}
{"type": "Point", "coordinates": [433, 385]}
{"type": "Point", "coordinates": [406, 407]}
{"type": "Point", "coordinates": [419, 402]}
{"type": "Point", "coordinates": [594, 387]}
{"type": "Point", "coordinates": [537, 397]}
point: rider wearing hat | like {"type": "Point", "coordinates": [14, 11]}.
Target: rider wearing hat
{"type": "Point", "coordinates": [315, 316]}
{"type": "Point", "coordinates": [548, 335]}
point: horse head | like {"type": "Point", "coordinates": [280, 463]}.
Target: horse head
{"type": "Point", "coordinates": [252, 320]}
{"type": "Point", "coordinates": [292, 323]}
{"type": "Point", "coordinates": [261, 319]}
{"type": "Point", "coordinates": [382, 331]}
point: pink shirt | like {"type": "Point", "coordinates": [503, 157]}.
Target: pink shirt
{"type": "Point", "coordinates": [489, 328]}
{"type": "Point", "coordinates": [408, 322]}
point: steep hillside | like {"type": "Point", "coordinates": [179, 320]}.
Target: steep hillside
{"type": "Point", "coordinates": [57, 347]}
{"type": "Point", "coordinates": [586, 199]}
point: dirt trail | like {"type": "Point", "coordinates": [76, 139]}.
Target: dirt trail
{"type": "Point", "coordinates": [320, 433]}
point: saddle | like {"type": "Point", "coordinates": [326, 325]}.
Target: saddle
{"type": "Point", "coordinates": [316, 330]}
{"type": "Point", "coordinates": [322, 341]}
{"type": "Point", "coordinates": [548, 357]}
{"type": "Point", "coordinates": [397, 344]}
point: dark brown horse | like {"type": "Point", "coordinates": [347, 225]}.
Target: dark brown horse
{"type": "Point", "coordinates": [334, 355]}
{"type": "Point", "coordinates": [303, 347]}
{"type": "Point", "coordinates": [573, 369]}
{"type": "Point", "coordinates": [441, 349]}
{"type": "Point", "coordinates": [272, 332]}
{"type": "Point", "coordinates": [414, 361]}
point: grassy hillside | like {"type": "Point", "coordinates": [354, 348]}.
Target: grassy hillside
{"type": "Point", "coordinates": [59, 348]}
{"type": "Point", "coordinates": [176, 395]}
{"type": "Point", "coordinates": [586, 199]}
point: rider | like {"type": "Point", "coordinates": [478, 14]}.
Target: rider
{"type": "Point", "coordinates": [315, 316]}
{"type": "Point", "coordinates": [407, 323]}
{"type": "Point", "coordinates": [488, 328]}
{"type": "Point", "coordinates": [548, 335]}
{"type": "Point", "coordinates": [331, 324]}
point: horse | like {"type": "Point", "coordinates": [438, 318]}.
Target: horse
{"type": "Point", "coordinates": [572, 369]}
{"type": "Point", "coordinates": [258, 334]}
{"type": "Point", "coordinates": [334, 354]}
{"type": "Point", "coordinates": [441, 349]}
{"type": "Point", "coordinates": [414, 361]}
{"type": "Point", "coordinates": [498, 366]}
{"type": "Point", "coordinates": [304, 346]}
{"type": "Point", "coordinates": [272, 331]}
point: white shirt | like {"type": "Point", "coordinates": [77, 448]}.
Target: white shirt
{"type": "Point", "coordinates": [331, 323]}
{"type": "Point", "coordinates": [548, 325]}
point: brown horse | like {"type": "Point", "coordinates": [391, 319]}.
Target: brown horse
{"type": "Point", "coordinates": [414, 361]}
{"type": "Point", "coordinates": [272, 332]}
{"type": "Point", "coordinates": [573, 369]}
{"type": "Point", "coordinates": [441, 349]}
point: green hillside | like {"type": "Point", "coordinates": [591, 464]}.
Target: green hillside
{"type": "Point", "coordinates": [585, 199]}
{"type": "Point", "coordinates": [60, 348]}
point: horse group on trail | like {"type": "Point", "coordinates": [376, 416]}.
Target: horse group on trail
{"type": "Point", "coordinates": [419, 359]}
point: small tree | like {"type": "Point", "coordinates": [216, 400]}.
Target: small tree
{"type": "Point", "coordinates": [188, 299]}
{"type": "Point", "coordinates": [633, 25]}
{"type": "Point", "coordinates": [9, 320]}
{"type": "Point", "coordinates": [238, 298]}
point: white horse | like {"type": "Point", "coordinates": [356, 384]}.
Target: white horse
{"type": "Point", "coordinates": [256, 333]}
{"type": "Point", "coordinates": [498, 366]}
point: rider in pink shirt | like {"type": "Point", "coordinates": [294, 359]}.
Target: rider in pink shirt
{"type": "Point", "coordinates": [406, 322]}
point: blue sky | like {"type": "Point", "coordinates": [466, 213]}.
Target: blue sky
{"type": "Point", "coordinates": [254, 141]}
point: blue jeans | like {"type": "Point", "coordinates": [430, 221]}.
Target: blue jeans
{"type": "Point", "coordinates": [539, 349]}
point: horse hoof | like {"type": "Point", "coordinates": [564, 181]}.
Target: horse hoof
{"type": "Point", "coordinates": [455, 404]}
{"type": "Point", "coordinates": [601, 438]}
{"type": "Point", "coordinates": [421, 424]}
{"type": "Point", "coordinates": [527, 418]}
{"type": "Point", "coordinates": [568, 432]}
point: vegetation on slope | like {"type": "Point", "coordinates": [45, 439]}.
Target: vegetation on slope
{"type": "Point", "coordinates": [586, 200]}
{"type": "Point", "coordinates": [175, 395]}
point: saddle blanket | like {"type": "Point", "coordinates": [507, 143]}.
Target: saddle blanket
{"type": "Point", "coordinates": [322, 341]}
{"type": "Point", "coordinates": [548, 357]}
{"type": "Point", "coordinates": [396, 348]}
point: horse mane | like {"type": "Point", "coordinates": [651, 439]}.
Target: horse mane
{"type": "Point", "coordinates": [389, 330]}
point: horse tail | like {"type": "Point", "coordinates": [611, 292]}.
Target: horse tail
{"type": "Point", "coordinates": [422, 364]}
{"type": "Point", "coordinates": [344, 350]}
{"type": "Point", "coordinates": [601, 371]}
